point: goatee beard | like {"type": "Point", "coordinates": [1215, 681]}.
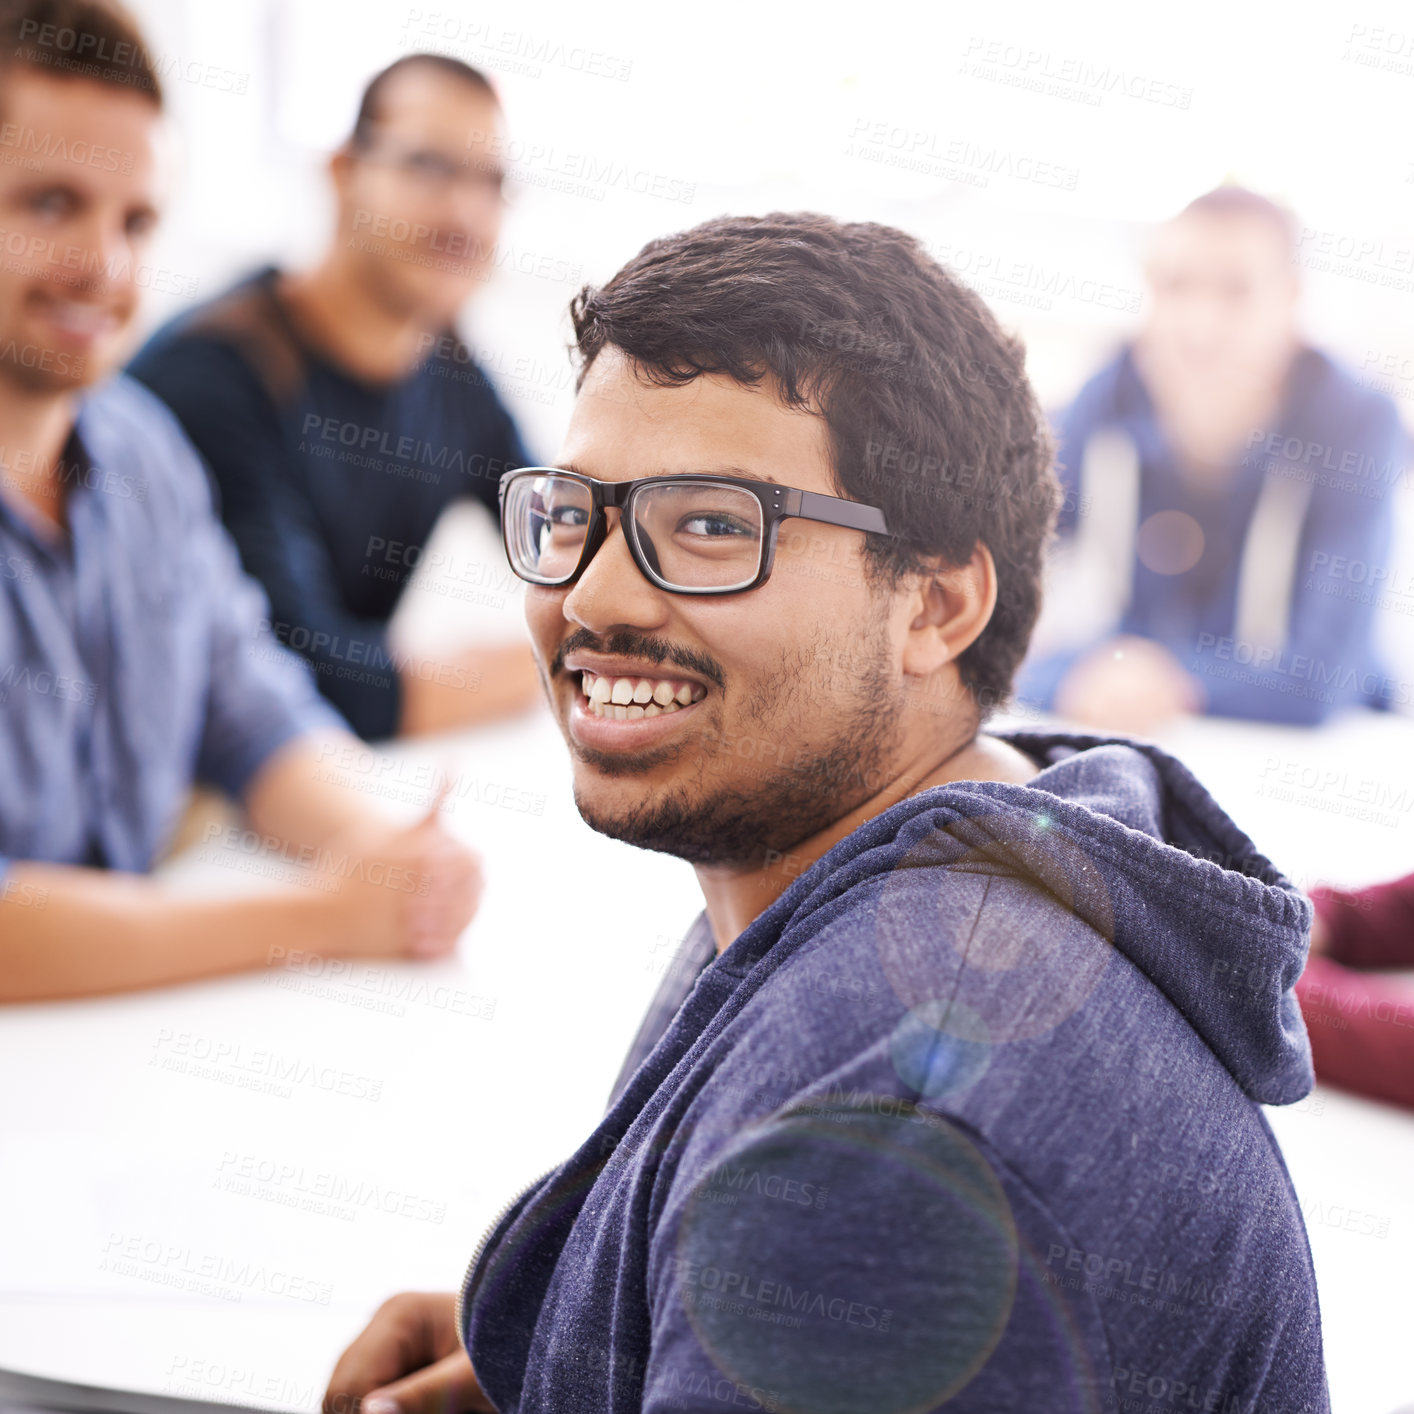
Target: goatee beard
{"type": "Point", "coordinates": [798, 794]}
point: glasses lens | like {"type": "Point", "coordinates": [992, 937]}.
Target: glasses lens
{"type": "Point", "coordinates": [545, 519]}
{"type": "Point", "coordinates": [698, 535]}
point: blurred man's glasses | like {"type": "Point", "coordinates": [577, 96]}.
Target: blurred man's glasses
{"type": "Point", "coordinates": [436, 172]}
{"type": "Point", "coordinates": [687, 534]}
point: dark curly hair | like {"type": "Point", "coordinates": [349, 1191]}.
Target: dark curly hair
{"type": "Point", "coordinates": [929, 410]}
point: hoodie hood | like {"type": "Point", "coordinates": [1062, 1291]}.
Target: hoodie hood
{"type": "Point", "coordinates": [1125, 837]}
{"type": "Point", "coordinates": [1224, 933]}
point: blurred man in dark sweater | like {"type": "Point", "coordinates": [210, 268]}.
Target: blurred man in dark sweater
{"type": "Point", "coordinates": [341, 414]}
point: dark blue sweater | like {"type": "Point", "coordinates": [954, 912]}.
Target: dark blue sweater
{"type": "Point", "coordinates": [329, 485]}
{"type": "Point", "coordinates": [968, 1117]}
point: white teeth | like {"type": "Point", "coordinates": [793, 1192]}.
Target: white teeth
{"type": "Point", "coordinates": [80, 318]}
{"type": "Point", "coordinates": [621, 713]}
{"type": "Point", "coordinates": [623, 699]}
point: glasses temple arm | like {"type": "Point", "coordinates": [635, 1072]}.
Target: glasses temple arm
{"type": "Point", "coordinates": [835, 510]}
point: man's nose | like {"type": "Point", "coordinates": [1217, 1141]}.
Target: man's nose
{"type": "Point", "coordinates": [612, 590]}
{"type": "Point", "coordinates": [99, 250]}
{"type": "Point", "coordinates": [475, 210]}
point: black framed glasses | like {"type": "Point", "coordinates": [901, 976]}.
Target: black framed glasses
{"type": "Point", "coordinates": [687, 534]}
{"type": "Point", "coordinates": [437, 171]}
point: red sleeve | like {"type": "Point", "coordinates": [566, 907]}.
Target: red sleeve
{"type": "Point", "coordinates": [1371, 927]}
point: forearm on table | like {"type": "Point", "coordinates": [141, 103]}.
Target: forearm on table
{"type": "Point", "coordinates": [478, 685]}
{"type": "Point", "coordinates": [68, 932]}
{"type": "Point", "coordinates": [300, 799]}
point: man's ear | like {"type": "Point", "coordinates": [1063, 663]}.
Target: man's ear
{"type": "Point", "coordinates": [341, 169]}
{"type": "Point", "coordinates": [951, 605]}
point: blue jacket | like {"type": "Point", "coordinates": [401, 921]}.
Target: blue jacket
{"type": "Point", "coordinates": [1275, 616]}
{"type": "Point", "coordinates": [968, 1117]}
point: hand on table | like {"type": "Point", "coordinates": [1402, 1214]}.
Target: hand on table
{"type": "Point", "coordinates": [404, 892]}
{"type": "Point", "coordinates": [407, 1360]}
{"type": "Point", "coordinates": [1129, 685]}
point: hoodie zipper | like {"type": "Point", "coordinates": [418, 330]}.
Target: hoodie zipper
{"type": "Point", "coordinates": [462, 1292]}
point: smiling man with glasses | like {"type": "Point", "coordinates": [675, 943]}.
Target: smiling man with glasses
{"type": "Point", "coordinates": [949, 1098]}
{"type": "Point", "coordinates": [340, 413]}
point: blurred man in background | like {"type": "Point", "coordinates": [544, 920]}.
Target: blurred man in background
{"type": "Point", "coordinates": [132, 658]}
{"type": "Point", "coordinates": [1221, 477]}
{"type": "Point", "coordinates": [341, 414]}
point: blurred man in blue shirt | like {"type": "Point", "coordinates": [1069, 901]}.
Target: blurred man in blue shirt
{"type": "Point", "coordinates": [340, 413]}
{"type": "Point", "coordinates": [132, 655]}
{"type": "Point", "coordinates": [1221, 477]}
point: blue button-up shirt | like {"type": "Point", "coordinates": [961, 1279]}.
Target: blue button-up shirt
{"type": "Point", "coordinates": [132, 654]}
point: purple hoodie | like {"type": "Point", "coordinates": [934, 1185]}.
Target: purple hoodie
{"type": "Point", "coordinates": [968, 1118]}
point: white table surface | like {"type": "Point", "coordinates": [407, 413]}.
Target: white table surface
{"type": "Point", "coordinates": [157, 1146]}
{"type": "Point", "coordinates": [208, 1188]}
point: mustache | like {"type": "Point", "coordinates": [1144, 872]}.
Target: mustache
{"type": "Point", "coordinates": [625, 643]}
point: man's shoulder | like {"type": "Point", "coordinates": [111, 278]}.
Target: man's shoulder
{"type": "Point", "coordinates": [970, 987]}
{"type": "Point", "coordinates": [966, 948]}
{"type": "Point", "coordinates": [131, 434]}
{"type": "Point", "coordinates": [1104, 1144]}
{"type": "Point", "coordinates": [128, 418]}
{"type": "Point", "coordinates": [227, 345]}
{"type": "Point", "coordinates": [1331, 391]}
{"type": "Point", "coordinates": [467, 383]}
{"type": "Point", "coordinates": [1106, 397]}
{"type": "Point", "coordinates": [950, 1058]}
{"type": "Point", "coordinates": [978, 1000]}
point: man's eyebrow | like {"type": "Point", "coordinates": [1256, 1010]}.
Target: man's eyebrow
{"type": "Point", "coordinates": [698, 471]}
{"type": "Point", "coordinates": [54, 183]}
{"type": "Point", "coordinates": [750, 475]}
